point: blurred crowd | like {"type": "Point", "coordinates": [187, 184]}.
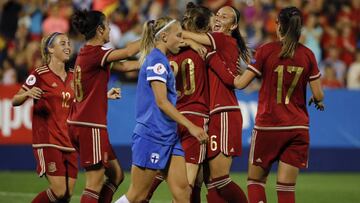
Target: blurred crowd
{"type": "Point", "coordinates": [331, 30]}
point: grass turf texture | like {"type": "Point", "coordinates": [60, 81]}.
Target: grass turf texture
{"type": "Point", "coordinates": [20, 187]}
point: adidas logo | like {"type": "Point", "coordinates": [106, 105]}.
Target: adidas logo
{"type": "Point", "coordinates": [259, 160]}
{"type": "Point", "coordinates": [54, 84]}
{"type": "Point", "coordinates": [232, 150]}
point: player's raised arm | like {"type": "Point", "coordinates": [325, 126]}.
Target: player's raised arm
{"type": "Point", "coordinates": [201, 38]}
{"type": "Point", "coordinates": [126, 66]}
{"type": "Point", "coordinates": [130, 50]}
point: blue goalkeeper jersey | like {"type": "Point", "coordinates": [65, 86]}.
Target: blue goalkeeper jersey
{"type": "Point", "coordinates": [152, 123]}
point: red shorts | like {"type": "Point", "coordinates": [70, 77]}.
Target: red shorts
{"type": "Point", "coordinates": [225, 130]}
{"type": "Point", "coordinates": [194, 151]}
{"type": "Point", "coordinates": [54, 162]}
{"type": "Point", "coordinates": [289, 146]}
{"type": "Point", "coordinates": [92, 144]}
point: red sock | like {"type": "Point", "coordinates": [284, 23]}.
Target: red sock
{"type": "Point", "coordinates": [195, 194]}
{"type": "Point", "coordinates": [156, 182]}
{"type": "Point", "coordinates": [107, 192]}
{"type": "Point", "coordinates": [256, 191]}
{"type": "Point", "coordinates": [285, 192]}
{"type": "Point", "coordinates": [46, 196]}
{"type": "Point", "coordinates": [212, 195]}
{"type": "Point", "coordinates": [229, 190]}
{"type": "Point", "coordinates": [89, 196]}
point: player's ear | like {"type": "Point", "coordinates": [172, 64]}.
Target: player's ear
{"type": "Point", "coordinates": [233, 27]}
{"type": "Point", "coordinates": [100, 30]}
{"type": "Point", "coordinates": [50, 49]}
{"type": "Point", "coordinates": [164, 36]}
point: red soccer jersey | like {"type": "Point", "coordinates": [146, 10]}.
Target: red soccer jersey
{"type": "Point", "coordinates": [191, 83]}
{"type": "Point", "coordinates": [52, 109]}
{"type": "Point", "coordinates": [222, 94]}
{"type": "Point", "coordinates": [91, 76]}
{"type": "Point", "coordinates": [282, 96]}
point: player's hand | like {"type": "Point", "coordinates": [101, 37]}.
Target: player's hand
{"type": "Point", "coordinates": [318, 104]}
{"type": "Point", "coordinates": [199, 48]}
{"type": "Point", "coordinates": [114, 93]}
{"type": "Point", "coordinates": [199, 133]}
{"type": "Point", "coordinates": [34, 93]}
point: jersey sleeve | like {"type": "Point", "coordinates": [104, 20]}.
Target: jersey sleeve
{"type": "Point", "coordinates": [256, 64]}
{"type": "Point", "coordinates": [221, 69]}
{"type": "Point", "coordinates": [31, 81]}
{"type": "Point", "coordinates": [102, 55]}
{"type": "Point", "coordinates": [314, 69]}
{"type": "Point", "coordinates": [217, 40]}
{"type": "Point", "coordinates": [157, 72]}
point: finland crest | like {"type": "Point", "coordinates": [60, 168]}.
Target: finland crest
{"type": "Point", "coordinates": [154, 158]}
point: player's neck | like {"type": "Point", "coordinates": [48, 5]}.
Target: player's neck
{"type": "Point", "coordinates": [95, 42]}
{"type": "Point", "coordinates": [58, 67]}
{"type": "Point", "coordinates": [162, 48]}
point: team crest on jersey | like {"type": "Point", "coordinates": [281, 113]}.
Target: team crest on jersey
{"type": "Point", "coordinates": [159, 69]}
{"type": "Point", "coordinates": [154, 158]}
{"type": "Point", "coordinates": [52, 167]}
{"type": "Point", "coordinates": [31, 80]}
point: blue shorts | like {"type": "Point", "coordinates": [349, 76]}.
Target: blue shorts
{"type": "Point", "coordinates": [147, 154]}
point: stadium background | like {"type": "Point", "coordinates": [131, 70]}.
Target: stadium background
{"type": "Point", "coordinates": [331, 30]}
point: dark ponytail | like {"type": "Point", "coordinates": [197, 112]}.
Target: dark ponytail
{"type": "Point", "coordinates": [290, 20]}
{"type": "Point", "coordinates": [86, 22]}
{"type": "Point", "coordinates": [244, 51]}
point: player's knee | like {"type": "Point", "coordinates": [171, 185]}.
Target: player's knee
{"type": "Point", "coordinates": [60, 191]}
{"type": "Point", "coordinates": [182, 193]}
{"type": "Point", "coordinates": [119, 177]}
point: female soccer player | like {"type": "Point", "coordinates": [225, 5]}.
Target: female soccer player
{"type": "Point", "coordinates": [282, 121]}
{"type": "Point", "coordinates": [225, 115]}
{"type": "Point", "coordinates": [193, 97]}
{"type": "Point", "coordinates": [87, 119]}
{"type": "Point", "coordinates": [50, 88]}
{"type": "Point", "coordinates": [156, 145]}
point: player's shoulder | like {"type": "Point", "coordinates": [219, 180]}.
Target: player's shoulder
{"type": "Point", "coordinates": [41, 70]}
{"type": "Point", "coordinates": [156, 57]}
{"type": "Point", "coordinates": [305, 49]}
{"type": "Point", "coordinates": [270, 46]}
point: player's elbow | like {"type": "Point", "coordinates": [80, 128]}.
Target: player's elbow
{"type": "Point", "coordinates": [161, 103]}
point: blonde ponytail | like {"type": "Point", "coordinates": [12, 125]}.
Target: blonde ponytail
{"type": "Point", "coordinates": [151, 33]}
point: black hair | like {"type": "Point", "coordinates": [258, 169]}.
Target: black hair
{"type": "Point", "coordinates": [290, 20]}
{"type": "Point", "coordinates": [86, 22]}
{"type": "Point", "coordinates": [196, 18]}
{"type": "Point", "coordinates": [244, 51]}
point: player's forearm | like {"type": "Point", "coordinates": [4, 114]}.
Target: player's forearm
{"type": "Point", "coordinates": [126, 66]}
{"type": "Point", "coordinates": [19, 99]}
{"type": "Point", "coordinates": [242, 81]}
{"type": "Point", "coordinates": [119, 54]}
{"type": "Point", "coordinates": [316, 90]}
{"type": "Point", "coordinates": [174, 114]}
{"type": "Point", "coordinates": [197, 37]}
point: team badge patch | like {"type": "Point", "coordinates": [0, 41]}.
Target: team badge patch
{"type": "Point", "coordinates": [154, 158]}
{"type": "Point", "coordinates": [51, 167]}
{"type": "Point", "coordinates": [31, 80]}
{"type": "Point", "coordinates": [159, 69]}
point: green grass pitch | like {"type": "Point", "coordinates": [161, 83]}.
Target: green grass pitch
{"type": "Point", "coordinates": [20, 187]}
